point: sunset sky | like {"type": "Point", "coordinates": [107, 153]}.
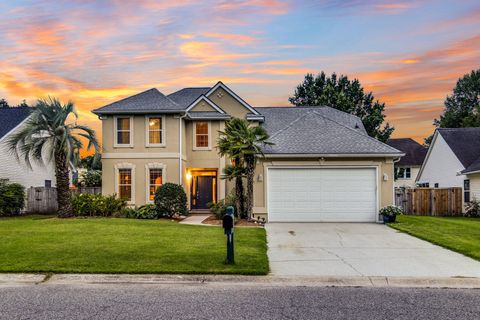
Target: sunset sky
{"type": "Point", "coordinates": [409, 53]}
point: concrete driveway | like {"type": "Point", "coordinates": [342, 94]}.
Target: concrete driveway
{"type": "Point", "coordinates": [359, 249]}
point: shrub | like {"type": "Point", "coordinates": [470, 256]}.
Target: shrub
{"type": "Point", "coordinates": [472, 209]}
{"type": "Point", "coordinates": [96, 205]}
{"type": "Point", "coordinates": [90, 178]}
{"type": "Point", "coordinates": [170, 200]}
{"type": "Point", "coordinates": [391, 211]}
{"type": "Point", "coordinates": [147, 211]}
{"type": "Point", "coordinates": [12, 198]}
{"type": "Point", "coordinates": [219, 208]}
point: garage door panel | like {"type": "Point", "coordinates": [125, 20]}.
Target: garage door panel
{"type": "Point", "coordinates": [322, 194]}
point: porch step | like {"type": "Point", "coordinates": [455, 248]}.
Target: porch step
{"type": "Point", "coordinates": [201, 211]}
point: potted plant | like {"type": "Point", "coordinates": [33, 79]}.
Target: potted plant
{"type": "Point", "coordinates": [389, 213]}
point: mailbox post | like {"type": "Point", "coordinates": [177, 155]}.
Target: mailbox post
{"type": "Point", "coordinates": [228, 220]}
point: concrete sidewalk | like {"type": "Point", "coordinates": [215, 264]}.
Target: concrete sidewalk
{"type": "Point", "coordinates": [9, 280]}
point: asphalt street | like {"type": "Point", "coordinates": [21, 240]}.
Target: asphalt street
{"type": "Point", "coordinates": [222, 301]}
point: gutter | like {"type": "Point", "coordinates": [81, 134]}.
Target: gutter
{"type": "Point", "coordinates": [466, 173]}
{"type": "Point", "coordinates": [333, 155]}
{"type": "Point", "coordinates": [153, 111]}
{"type": "Point", "coordinates": [180, 164]}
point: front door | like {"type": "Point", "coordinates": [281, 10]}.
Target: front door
{"type": "Point", "coordinates": [203, 192]}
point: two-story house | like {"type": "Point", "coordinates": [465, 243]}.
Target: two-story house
{"type": "Point", "coordinates": [453, 160]}
{"type": "Point", "coordinates": [407, 168]}
{"type": "Point", "coordinates": [323, 166]}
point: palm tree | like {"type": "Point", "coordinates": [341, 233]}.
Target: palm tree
{"type": "Point", "coordinates": [244, 142]}
{"type": "Point", "coordinates": [236, 171]}
{"type": "Point", "coordinates": [49, 133]}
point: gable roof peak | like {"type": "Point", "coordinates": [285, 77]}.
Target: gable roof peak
{"type": "Point", "coordinates": [464, 143]}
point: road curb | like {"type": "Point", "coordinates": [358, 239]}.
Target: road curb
{"type": "Point", "coordinates": [236, 280]}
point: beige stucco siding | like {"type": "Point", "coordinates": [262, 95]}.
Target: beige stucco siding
{"type": "Point", "coordinates": [384, 167]}
{"type": "Point", "coordinates": [228, 103]}
{"type": "Point", "coordinates": [139, 177]}
{"type": "Point", "coordinates": [171, 136]}
{"type": "Point", "coordinates": [202, 106]}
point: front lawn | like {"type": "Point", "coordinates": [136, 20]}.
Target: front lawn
{"type": "Point", "coordinates": [109, 245]}
{"type": "Point", "coordinates": [455, 233]}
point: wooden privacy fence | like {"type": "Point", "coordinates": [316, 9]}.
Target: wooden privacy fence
{"type": "Point", "coordinates": [43, 200]}
{"type": "Point", "coordinates": [89, 190]}
{"type": "Point", "coordinates": [430, 201]}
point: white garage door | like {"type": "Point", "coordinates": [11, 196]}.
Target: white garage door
{"type": "Point", "coordinates": [322, 195]}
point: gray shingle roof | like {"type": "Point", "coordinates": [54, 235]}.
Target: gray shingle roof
{"type": "Point", "coordinates": [465, 143]}
{"type": "Point", "coordinates": [319, 130]}
{"type": "Point", "coordinates": [151, 100]}
{"type": "Point", "coordinates": [12, 117]}
{"type": "Point", "coordinates": [414, 152]}
{"type": "Point", "coordinates": [474, 167]}
{"type": "Point", "coordinates": [186, 96]}
{"type": "Point", "coordinates": [278, 116]}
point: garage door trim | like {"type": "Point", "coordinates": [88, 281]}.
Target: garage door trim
{"type": "Point", "coordinates": [273, 167]}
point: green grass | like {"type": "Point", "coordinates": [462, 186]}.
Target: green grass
{"type": "Point", "coordinates": [108, 245]}
{"type": "Point", "coordinates": [455, 233]}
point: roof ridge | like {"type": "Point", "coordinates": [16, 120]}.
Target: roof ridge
{"type": "Point", "coordinates": [356, 132]}
{"type": "Point", "coordinates": [135, 95]}
{"type": "Point", "coordinates": [289, 125]}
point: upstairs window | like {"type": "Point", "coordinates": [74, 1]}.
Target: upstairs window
{"type": "Point", "coordinates": [404, 173]}
{"type": "Point", "coordinates": [202, 135]}
{"type": "Point", "coordinates": [123, 128]}
{"type": "Point", "coordinates": [155, 131]}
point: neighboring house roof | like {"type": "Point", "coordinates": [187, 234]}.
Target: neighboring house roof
{"type": "Point", "coordinates": [151, 100]}
{"type": "Point", "coordinates": [414, 152]}
{"type": "Point", "coordinates": [474, 167]}
{"type": "Point", "coordinates": [12, 117]}
{"type": "Point", "coordinates": [186, 96]}
{"type": "Point", "coordinates": [465, 144]}
{"type": "Point", "coordinates": [319, 130]}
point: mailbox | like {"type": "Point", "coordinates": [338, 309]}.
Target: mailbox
{"type": "Point", "coordinates": [228, 224]}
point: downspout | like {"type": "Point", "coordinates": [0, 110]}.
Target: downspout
{"type": "Point", "coordinates": [180, 156]}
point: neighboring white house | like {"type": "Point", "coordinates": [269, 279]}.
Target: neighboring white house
{"type": "Point", "coordinates": [452, 161]}
{"type": "Point", "coordinates": [406, 170]}
{"type": "Point", "coordinates": [11, 120]}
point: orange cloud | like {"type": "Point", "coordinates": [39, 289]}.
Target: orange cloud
{"type": "Point", "coordinates": [274, 7]}
{"type": "Point", "coordinates": [240, 39]}
{"type": "Point", "coordinates": [393, 8]}
{"type": "Point", "coordinates": [210, 52]}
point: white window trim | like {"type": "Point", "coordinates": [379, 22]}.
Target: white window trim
{"type": "Point", "coordinates": [234, 95]}
{"type": "Point", "coordinates": [125, 165]}
{"type": "Point", "coordinates": [195, 136]}
{"type": "Point", "coordinates": [154, 165]}
{"type": "Point", "coordinates": [405, 173]}
{"type": "Point", "coordinates": [115, 137]}
{"type": "Point", "coordinates": [147, 132]}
